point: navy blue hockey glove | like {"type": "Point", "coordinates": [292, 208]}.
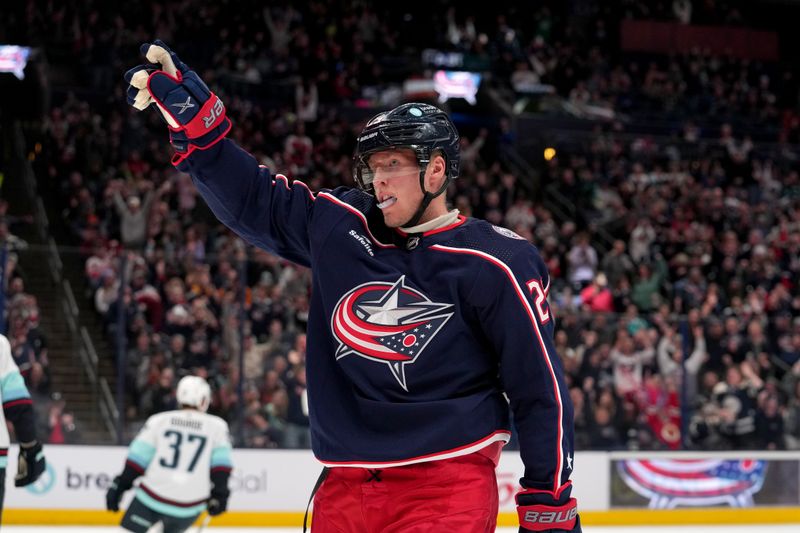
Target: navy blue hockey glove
{"type": "Point", "coordinates": [121, 483]}
{"type": "Point", "coordinates": [217, 504]}
{"type": "Point", "coordinates": [195, 116]}
{"type": "Point", "coordinates": [114, 495]}
{"type": "Point", "coordinates": [31, 463]}
{"type": "Point", "coordinates": [539, 510]}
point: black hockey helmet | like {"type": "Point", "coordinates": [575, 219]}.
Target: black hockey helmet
{"type": "Point", "coordinates": [423, 128]}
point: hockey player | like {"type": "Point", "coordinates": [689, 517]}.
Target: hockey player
{"type": "Point", "coordinates": [185, 458]}
{"type": "Point", "coordinates": [17, 409]}
{"type": "Point", "coordinates": [421, 320]}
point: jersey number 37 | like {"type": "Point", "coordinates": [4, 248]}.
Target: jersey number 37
{"type": "Point", "coordinates": [195, 444]}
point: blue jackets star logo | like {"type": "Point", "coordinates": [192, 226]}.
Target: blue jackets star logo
{"type": "Point", "coordinates": [389, 323]}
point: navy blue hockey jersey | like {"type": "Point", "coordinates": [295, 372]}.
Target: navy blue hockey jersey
{"type": "Point", "coordinates": [412, 339]}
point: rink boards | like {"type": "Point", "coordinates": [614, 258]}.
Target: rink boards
{"type": "Point", "coordinates": [271, 487]}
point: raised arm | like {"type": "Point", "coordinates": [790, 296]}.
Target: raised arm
{"type": "Point", "coordinates": [265, 210]}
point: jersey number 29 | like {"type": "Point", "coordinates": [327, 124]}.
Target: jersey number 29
{"type": "Point", "coordinates": [176, 441]}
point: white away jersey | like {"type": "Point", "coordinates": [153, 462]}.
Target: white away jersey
{"type": "Point", "coordinates": [176, 451]}
{"type": "Point", "coordinates": [12, 392]}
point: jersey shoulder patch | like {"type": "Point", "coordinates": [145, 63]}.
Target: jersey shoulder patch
{"type": "Point", "coordinates": [505, 232]}
{"type": "Point", "coordinates": [485, 237]}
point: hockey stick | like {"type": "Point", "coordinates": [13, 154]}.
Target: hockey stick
{"type": "Point", "coordinates": [158, 527]}
{"type": "Point", "coordinates": [204, 523]}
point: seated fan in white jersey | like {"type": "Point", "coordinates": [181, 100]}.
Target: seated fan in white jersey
{"type": "Point", "coordinates": [183, 458]}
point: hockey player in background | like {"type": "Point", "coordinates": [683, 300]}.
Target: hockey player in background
{"type": "Point", "coordinates": [17, 409]}
{"type": "Point", "coordinates": [421, 321]}
{"type": "Point", "coordinates": [184, 457]}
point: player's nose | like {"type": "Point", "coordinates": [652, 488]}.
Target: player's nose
{"type": "Point", "coordinates": [380, 180]}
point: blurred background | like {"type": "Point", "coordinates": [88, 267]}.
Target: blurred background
{"type": "Point", "coordinates": [650, 150]}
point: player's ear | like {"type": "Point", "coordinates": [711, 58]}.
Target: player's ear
{"type": "Point", "coordinates": [436, 172]}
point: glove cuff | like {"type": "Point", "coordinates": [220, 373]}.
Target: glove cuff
{"type": "Point", "coordinates": [125, 480]}
{"type": "Point", "coordinates": [185, 146]}
{"type": "Point", "coordinates": [545, 517]}
{"type": "Point", "coordinates": [219, 479]}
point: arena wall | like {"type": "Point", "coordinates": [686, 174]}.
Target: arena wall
{"type": "Point", "coordinates": [271, 487]}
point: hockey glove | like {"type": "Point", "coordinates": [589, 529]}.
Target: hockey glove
{"type": "Point", "coordinates": [217, 504]}
{"type": "Point", "coordinates": [195, 116]}
{"type": "Point", "coordinates": [539, 510]}
{"type": "Point", "coordinates": [114, 495]}
{"type": "Point", "coordinates": [121, 483]}
{"type": "Point", "coordinates": [31, 463]}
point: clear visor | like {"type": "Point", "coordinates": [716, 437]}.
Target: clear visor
{"type": "Point", "coordinates": [386, 166]}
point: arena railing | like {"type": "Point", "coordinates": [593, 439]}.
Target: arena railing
{"type": "Point", "coordinates": [86, 352]}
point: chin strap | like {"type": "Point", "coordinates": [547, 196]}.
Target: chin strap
{"type": "Point", "coordinates": [426, 199]}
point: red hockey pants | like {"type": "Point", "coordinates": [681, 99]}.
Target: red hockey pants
{"type": "Point", "coordinates": [451, 495]}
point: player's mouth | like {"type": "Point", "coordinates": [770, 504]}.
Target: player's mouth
{"type": "Point", "coordinates": [386, 201]}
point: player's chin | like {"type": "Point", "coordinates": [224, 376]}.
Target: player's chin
{"type": "Point", "coordinates": [392, 220]}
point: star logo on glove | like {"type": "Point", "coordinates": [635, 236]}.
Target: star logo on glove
{"type": "Point", "coordinates": [184, 106]}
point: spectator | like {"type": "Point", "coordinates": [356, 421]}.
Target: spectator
{"type": "Point", "coordinates": [297, 433]}
{"type": "Point", "coordinates": [682, 10]}
{"type": "Point", "coordinates": [602, 433]}
{"type": "Point", "coordinates": [107, 293]}
{"type": "Point", "coordinates": [160, 396]}
{"type": "Point", "coordinates": [642, 238]}
{"type": "Point", "coordinates": [646, 289]}
{"type": "Point", "coordinates": [61, 424]}
{"type": "Point", "coordinates": [617, 264]}
{"type": "Point", "coordinates": [133, 218]}
{"type": "Point", "coordinates": [672, 364]}
{"type": "Point", "coordinates": [9, 240]}
{"type": "Point", "coordinates": [769, 432]}
{"type": "Point", "coordinates": [582, 262]}
{"type": "Point", "coordinates": [630, 355]}
{"type": "Point", "coordinates": [792, 418]}
{"type": "Point", "coordinates": [597, 296]}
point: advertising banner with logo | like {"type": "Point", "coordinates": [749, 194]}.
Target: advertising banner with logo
{"type": "Point", "coordinates": [271, 487]}
{"type": "Point", "coordinates": [77, 477]}
{"type": "Point", "coordinates": [734, 482]}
